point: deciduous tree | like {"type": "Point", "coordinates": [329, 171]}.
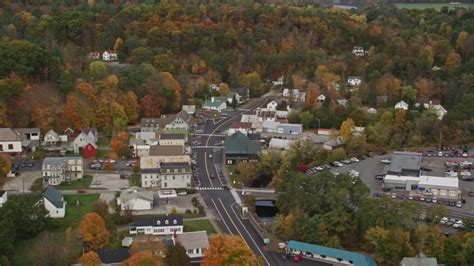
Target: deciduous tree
{"type": "Point", "coordinates": [93, 231]}
{"type": "Point", "coordinates": [90, 259]}
{"type": "Point", "coordinates": [228, 250]}
{"type": "Point", "coordinates": [143, 258]}
{"type": "Point", "coordinates": [176, 256]}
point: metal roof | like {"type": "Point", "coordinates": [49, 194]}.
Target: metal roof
{"type": "Point", "coordinates": [405, 163]}
{"type": "Point", "coordinates": [358, 259]}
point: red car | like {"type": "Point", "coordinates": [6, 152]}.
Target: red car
{"type": "Point", "coordinates": [81, 191]}
{"type": "Point", "coordinates": [298, 258]}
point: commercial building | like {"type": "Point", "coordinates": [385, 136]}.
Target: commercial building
{"type": "Point", "coordinates": [239, 147]}
{"type": "Point", "coordinates": [404, 174]}
{"type": "Point", "coordinates": [329, 255]}
{"type": "Point", "coordinates": [168, 175]}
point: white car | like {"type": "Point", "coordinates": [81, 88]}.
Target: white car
{"type": "Point", "coordinates": [435, 200]}
{"type": "Point", "coordinates": [443, 220]}
{"type": "Point", "coordinates": [354, 173]}
{"type": "Point", "coordinates": [385, 161]}
{"type": "Point", "coordinates": [354, 159]}
{"type": "Point", "coordinates": [465, 163]}
{"type": "Point", "coordinates": [465, 173]}
{"type": "Point", "coordinates": [459, 224]}
{"type": "Point", "coordinates": [338, 163]}
{"type": "Point", "coordinates": [465, 155]}
{"type": "Point", "coordinates": [394, 195]}
{"type": "Point", "coordinates": [319, 168]}
{"type": "Point", "coordinates": [440, 154]}
{"type": "Point", "coordinates": [459, 204]}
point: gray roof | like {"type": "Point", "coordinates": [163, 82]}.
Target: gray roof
{"type": "Point", "coordinates": [172, 166]}
{"type": "Point", "coordinates": [239, 143]}
{"type": "Point", "coordinates": [159, 220]}
{"type": "Point", "coordinates": [166, 150]}
{"type": "Point", "coordinates": [172, 136]}
{"type": "Point", "coordinates": [24, 131]}
{"type": "Point", "coordinates": [405, 164]}
{"type": "Point", "coordinates": [165, 120]}
{"type": "Point", "coordinates": [419, 260]}
{"type": "Point", "coordinates": [144, 195]}
{"type": "Point", "coordinates": [216, 103]}
{"type": "Point", "coordinates": [193, 240]}
{"type": "Point", "coordinates": [7, 134]}
{"type": "Point", "coordinates": [112, 256]}
{"type": "Point", "coordinates": [58, 160]}
{"type": "Point", "coordinates": [53, 196]}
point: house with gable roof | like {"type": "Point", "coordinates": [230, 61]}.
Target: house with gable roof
{"type": "Point", "coordinates": [10, 141]}
{"type": "Point", "coordinates": [239, 147]}
{"type": "Point", "coordinates": [54, 202]}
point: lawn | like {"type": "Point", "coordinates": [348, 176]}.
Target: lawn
{"type": "Point", "coordinates": [436, 6]}
{"type": "Point", "coordinates": [102, 153]}
{"type": "Point", "coordinates": [75, 213]}
{"type": "Point", "coordinates": [103, 141]}
{"type": "Point", "coordinates": [24, 252]}
{"type": "Point", "coordinates": [85, 182]}
{"type": "Point", "coordinates": [198, 225]}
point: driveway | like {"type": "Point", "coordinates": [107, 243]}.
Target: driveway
{"type": "Point", "coordinates": [22, 182]}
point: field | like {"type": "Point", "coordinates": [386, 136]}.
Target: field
{"type": "Point", "coordinates": [24, 252]}
{"type": "Point", "coordinates": [198, 225]}
{"type": "Point", "coordinates": [436, 6]}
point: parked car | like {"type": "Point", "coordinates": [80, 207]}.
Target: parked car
{"type": "Point", "coordinates": [13, 173]}
{"type": "Point", "coordinates": [210, 155]}
{"type": "Point", "coordinates": [434, 200]}
{"type": "Point", "coordinates": [354, 159]}
{"type": "Point", "coordinates": [380, 176]}
{"type": "Point", "coordinates": [81, 191]}
{"type": "Point", "coordinates": [458, 225]}
{"type": "Point", "coordinates": [96, 183]}
{"type": "Point", "coordinates": [393, 196]}
{"type": "Point", "coordinates": [424, 168]}
{"type": "Point", "coordinates": [471, 194]}
{"type": "Point", "coordinates": [319, 168]}
{"type": "Point", "coordinates": [346, 161]}
{"type": "Point", "coordinates": [297, 258]}
{"type": "Point", "coordinates": [386, 161]}
{"type": "Point", "coordinates": [23, 165]}
{"type": "Point", "coordinates": [459, 204]}
{"type": "Point", "coordinates": [443, 220]}
{"type": "Point", "coordinates": [31, 164]}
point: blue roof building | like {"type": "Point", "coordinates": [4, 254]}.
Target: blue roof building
{"type": "Point", "coordinates": [330, 255]}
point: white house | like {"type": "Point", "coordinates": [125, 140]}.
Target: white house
{"type": "Point", "coordinates": [354, 81]}
{"type": "Point", "coordinates": [231, 96]}
{"type": "Point", "coordinates": [109, 56]}
{"type": "Point", "coordinates": [135, 199]}
{"type": "Point", "coordinates": [3, 197]}
{"type": "Point", "coordinates": [321, 98]}
{"type": "Point", "coordinates": [51, 138]}
{"type": "Point", "coordinates": [239, 126]}
{"type": "Point", "coordinates": [10, 141]}
{"type": "Point", "coordinates": [401, 105]}
{"type": "Point", "coordinates": [271, 106]}
{"type": "Point", "coordinates": [359, 51]}
{"type": "Point", "coordinates": [157, 225]}
{"type": "Point", "coordinates": [193, 242]}
{"type": "Point", "coordinates": [278, 82]}
{"type": "Point", "coordinates": [215, 104]}
{"type": "Point", "coordinates": [87, 135]}
{"type": "Point", "coordinates": [54, 202]}
{"type": "Point", "coordinates": [295, 94]}
{"type": "Point", "coordinates": [432, 105]}
{"type": "Point", "coordinates": [438, 110]}
{"type": "Point", "coordinates": [190, 109]}
{"type": "Point", "coordinates": [214, 87]}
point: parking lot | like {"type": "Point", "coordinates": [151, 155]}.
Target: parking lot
{"type": "Point", "coordinates": [369, 167]}
{"type": "Point", "coordinates": [22, 182]}
{"type": "Point", "coordinates": [109, 182]}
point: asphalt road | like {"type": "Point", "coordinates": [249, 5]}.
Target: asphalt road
{"type": "Point", "coordinates": [220, 201]}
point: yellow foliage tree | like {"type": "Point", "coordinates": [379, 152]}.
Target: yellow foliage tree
{"type": "Point", "coordinates": [93, 231]}
{"type": "Point", "coordinates": [90, 259]}
{"type": "Point", "coordinates": [346, 128]}
{"type": "Point", "coordinates": [228, 250]}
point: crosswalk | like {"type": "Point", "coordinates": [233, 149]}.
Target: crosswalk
{"type": "Point", "coordinates": [206, 147]}
{"type": "Point", "coordinates": [209, 188]}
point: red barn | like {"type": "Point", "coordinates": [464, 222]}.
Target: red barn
{"type": "Point", "coordinates": [89, 151]}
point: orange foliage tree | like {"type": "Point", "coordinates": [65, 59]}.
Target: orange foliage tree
{"type": "Point", "coordinates": [228, 250]}
{"type": "Point", "coordinates": [119, 143]}
{"type": "Point", "coordinates": [93, 231]}
{"type": "Point", "coordinates": [142, 258]}
{"type": "Point", "coordinates": [90, 259]}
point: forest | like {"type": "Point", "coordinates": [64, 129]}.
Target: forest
{"type": "Point", "coordinates": [169, 52]}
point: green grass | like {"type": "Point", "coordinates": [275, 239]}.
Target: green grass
{"type": "Point", "coordinates": [25, 250]}
{"type": "Point", "coordinates": [103, 141]}
{"type": "Point", "coordinates": [85, 182]}
{"type": "Point", "coordinates": [102, 153]}
{"type": "Point", "coordinates": [436, 6]}
{"type": "Point", "coordinates": [75, 213]}
{"type": "Point", "coordinates": [199, 225]}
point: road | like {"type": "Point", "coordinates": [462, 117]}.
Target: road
{"type": "Point", "coordinates": [223, 202]}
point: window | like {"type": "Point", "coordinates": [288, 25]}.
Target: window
{"type": "Point", "coordinates": [10, 146]}
{"type": "Point", "coordinates": [167, 222]}
{"type": "Point", "coordinates": [174, 221]}
{"type": "Point", "coordinates": [190, 251]}
{"type": "Point", "coordinates": [166, 184]}
{"type": "Point", "coordinates": [1, 147]}
{"type": "Point", "coordinates": [173, 177]}
{"type": "Point", "coordinates": [158, 222]}
{"type": "Point", "coordinates": [167, 170]}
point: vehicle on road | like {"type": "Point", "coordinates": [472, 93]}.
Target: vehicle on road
{"type": "Point", "coordinates": [339, 164]}
{"type": "Point", "coordinates": [393, 196]}
{"type": "Point", "coordinates": [210, 156]}
{"type": "Point", "coordinates": [297, 258]}
{"type": "Point", "coordinates": [81, 191]}
{"type": "Point", "coordinates": [386, 161]}
{"type": "Point", "coordinates": [96, 183]}
{"type": "Point", "coordinates": [380, 176]}
{"type": "Point", "coordinates": [459, 204]}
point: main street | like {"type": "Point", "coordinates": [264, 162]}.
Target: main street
{"type": "Point", "coordinates": [223, 202]}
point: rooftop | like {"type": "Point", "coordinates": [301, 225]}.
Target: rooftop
{"type": "Point", "coordinates": [241, 125]}
{"type": "Point", "coordinates": [405, 163]}
{"type": "Point", "coordinates": [172, 136]}
{"type": "Point", "coordinates": [419, 260]}
{"type": "Point", "coordinates": [193, 240]}
{"type": "Point", "coordinates": [166, 150]}
{"type": "Point", "coordinates": [109, 256]}
{"type": "Point", "coordinates": [358, 259]}
{"type": "Point", "coordinates": [53, 196]}
{"type": "Point", "coordinates": [143, 195]}
{"type": "Point", "coordinates": [160, 220]}
{"type": "Point", "coordinates": [172, 166]}
{"type": "Point", "coordinates": [58, 160]}
{"type": "Point", "coordinates": [7, 134]}
{"type": "Point", "coordinates": [239, 143]}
